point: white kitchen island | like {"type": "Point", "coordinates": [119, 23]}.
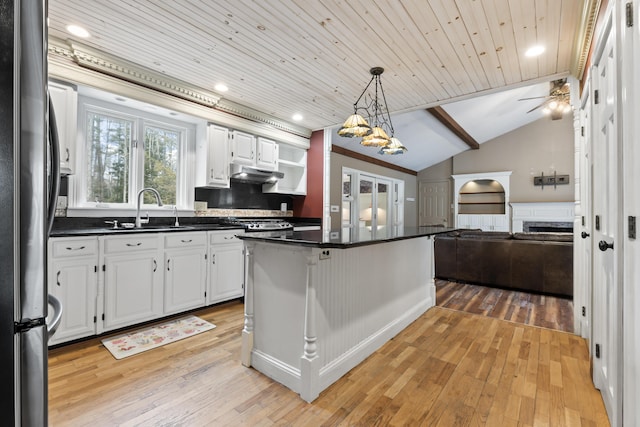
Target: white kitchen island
{"type": "Point", "coordinates": [315, 307]}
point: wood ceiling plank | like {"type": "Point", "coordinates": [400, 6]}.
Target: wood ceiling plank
{"type": "Point", "coordinates": [524, 28]}
{"type": "Point", "coordinates": [434, 35]}
{"type": "Point", "coordinates": [449, 17]}
{"type": "Point", "coordinates": [567, 43]}
{"type": "Point", "coordinates": [419, 62]}
{"type": "Point", "coordinates": [501, 28]}
{"type": "Point", "coordinates": [381, 46]}
{"type": "Point", "coordinates": [475, 21]}
{"type": "Point", "coordinates": [548, 30]}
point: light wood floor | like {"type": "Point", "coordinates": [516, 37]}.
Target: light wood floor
{"type": "Point", "coordinates": [522, 307]}
{"type": "Point", "coordinates": [447, 368]}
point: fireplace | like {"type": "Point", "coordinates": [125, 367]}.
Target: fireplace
{"type": "Point", "coordinates": [555, 217]}
{"type": "Point", "coordinates": [547, 227]}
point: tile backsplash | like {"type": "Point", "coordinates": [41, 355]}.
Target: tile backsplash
{"type": "Point", "coordinates": [242, 195]}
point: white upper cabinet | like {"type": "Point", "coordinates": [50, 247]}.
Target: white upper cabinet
{"type": "Point", "coordinates": [267, 154]}
{"type": "Point", "coordinates": [248, 150]}
{"type": "Point", "coordinates": [292, 161]}
{"type": "Point", "coordinates": [218, 157]}
{"type": "Point", "coordinates": [65, 104]}
{"type": "Point", "coordinates": [243, 148]}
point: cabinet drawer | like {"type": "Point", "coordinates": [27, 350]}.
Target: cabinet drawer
{"type": "Point", "coordinates": [130, 243]}
{"type": "Point", "coordinates": [228, 236]}
{"type": "Point", "coordinates": [181, 240]}
{"type": "Point", "coordinates": [62, 248]}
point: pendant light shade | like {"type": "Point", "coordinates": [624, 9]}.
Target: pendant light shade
{"type": "Point", "coordinates": [394, 147]}
{"type": "Point", "coordinates": [377, 138]}
{"type": "Point", "coordinates": [355, 126]}
{"type": "Point", "coordinates": [380, 132]}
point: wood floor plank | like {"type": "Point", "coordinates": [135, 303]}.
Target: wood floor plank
{"type": "Point", "coordinates": [447, 368]}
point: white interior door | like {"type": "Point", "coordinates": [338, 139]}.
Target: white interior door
{"type": "Point", "coordinates": [374, 201]}
{"type": "Point", "coordinates": [434, 202]}
{"type": "Point", "coordinates": [607, 321]}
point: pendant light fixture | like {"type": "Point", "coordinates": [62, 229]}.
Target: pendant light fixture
{"type": "Point", "coordinates": [378, 114]}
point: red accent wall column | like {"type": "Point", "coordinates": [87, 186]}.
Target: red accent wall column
{"type": "Point", "coordinates": [310, 206]}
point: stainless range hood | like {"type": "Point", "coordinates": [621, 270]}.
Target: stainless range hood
{"type": "Point", "coordinates": [249, 174]}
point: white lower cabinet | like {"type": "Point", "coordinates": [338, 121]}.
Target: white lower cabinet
{"type": "Point", "coordinates": [485, 222]}
{"type": "Point", "coordinates": [185, 271]}
{"type": "Point", "coordinates": [226, 266]}
{"type": "Point", "coordinates": [133, 290]}
{"type": "Point", "coordinates": [73, 279]}
{"type": "Point", "coordinates": [110, 282]}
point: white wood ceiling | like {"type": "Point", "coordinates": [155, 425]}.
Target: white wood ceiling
{"type": "Point", "coordinates": [313, 56]}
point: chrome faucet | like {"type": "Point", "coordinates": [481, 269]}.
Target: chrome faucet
{"type": "Point", "coordinates": [139, 221]}
{"type": "Point", "coordinates": [175, 213]}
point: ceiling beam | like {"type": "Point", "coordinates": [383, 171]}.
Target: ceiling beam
{"type": "Point", "coordinates": [355, 155]}
{"type": "Point", "coordinates": [444, 118]}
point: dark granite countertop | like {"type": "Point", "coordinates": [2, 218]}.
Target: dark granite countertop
{"type": "Point", "coordinates": [101, 231]}
{"type": "Point", "coordinates": [89, 226]}
{"type": "Point", "coordinates": [335, 239]}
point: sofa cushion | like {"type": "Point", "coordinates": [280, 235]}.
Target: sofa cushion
{"type": "Point", "coordinates": [555, 237]}
{"type": "Point", "coordinates": [479, 234]}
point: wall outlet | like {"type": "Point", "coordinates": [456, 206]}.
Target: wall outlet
{"type": "Point", "coordinates": [325, 254]}
{"type": "Point", "coordinates": [335, 208]}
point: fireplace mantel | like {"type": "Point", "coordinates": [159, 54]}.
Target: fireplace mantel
{"type": "Point", "coordinates": [549, 212]}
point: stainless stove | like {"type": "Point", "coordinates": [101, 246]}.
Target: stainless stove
{"type": "Point", "coordinates": [261, 224]}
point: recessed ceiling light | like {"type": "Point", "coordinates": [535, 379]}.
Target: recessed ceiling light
{"type": "Point", "coordinates": [221, 87]}
{"type": "Point", "coordinates": [78, 31]}
{"type": "Point", "coordinates": [297, 117]}
{"type": "Point", "coordinates": [534, 51]}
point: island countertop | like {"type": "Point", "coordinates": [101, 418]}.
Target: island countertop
{"type": "Point", "coordinates": [338, 239]}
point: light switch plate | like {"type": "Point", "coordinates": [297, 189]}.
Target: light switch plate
{"type": "Point", "coordinates": [335, 208]}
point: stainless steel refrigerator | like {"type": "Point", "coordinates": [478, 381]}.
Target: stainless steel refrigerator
{"type": "Point", "coordinates": [28, 187]}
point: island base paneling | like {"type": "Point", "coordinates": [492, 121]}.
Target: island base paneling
{"type": "Point", "coordinates": [312, 314]}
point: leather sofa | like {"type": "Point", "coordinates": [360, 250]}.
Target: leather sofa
{"type": "Point", "coordinates": [531, 262]}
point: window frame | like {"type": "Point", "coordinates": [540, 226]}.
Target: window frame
{"type": "Point", "coordinates": [78, 205]}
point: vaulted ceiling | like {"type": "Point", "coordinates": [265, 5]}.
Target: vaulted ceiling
{"type": "Point", "coordinates": [312, 57]}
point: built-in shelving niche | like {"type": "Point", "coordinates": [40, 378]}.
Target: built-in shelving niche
{"type": "Point", "coordinates": [482, 201]}
{"type": "Point", "coordinates": [481, 196]}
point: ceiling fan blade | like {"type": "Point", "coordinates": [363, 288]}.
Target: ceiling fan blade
{"type": "Point", "coordinates": [535, 108]}
{"type": "Point", "coordinates": [535, 97]}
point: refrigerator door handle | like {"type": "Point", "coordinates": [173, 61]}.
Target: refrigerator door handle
{"type": "Point", "coordinates": [56, 317]}
{"type": "Point", "coordinates": [54, 148]}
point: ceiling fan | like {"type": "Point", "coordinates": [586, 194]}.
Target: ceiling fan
{"type": "Point", "coordinates": [557, 102]}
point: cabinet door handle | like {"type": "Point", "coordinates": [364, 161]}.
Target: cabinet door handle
{"type": "Point", "coordinates": [68, 154]}
{"type": "Point", "coordinates": [58, 278]}
{"type": "Point", "coordinates": [155, 265]}
{"type": "Point", "coordinates": [213, 258]}
{"type": "Point", "coordinates": [134, 244]}
{"type": "Point", "coordinates": [186, 241]}
{"type": "Point", "coordinates": [75, 249]}
{"type": "Point", "coordinates": [168, 265]}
